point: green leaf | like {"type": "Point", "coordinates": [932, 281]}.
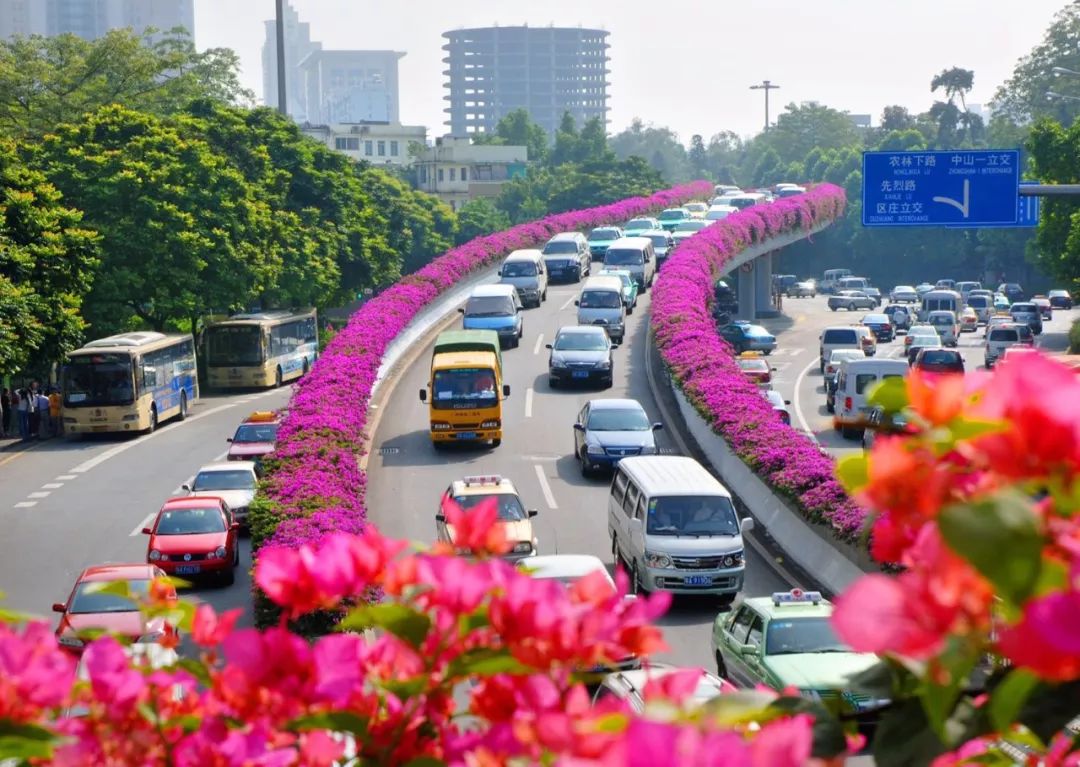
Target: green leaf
{"type": "Point", "coordinates": [939, 700]}
{"type": "Point", "coordinates": [890, 394]}
{"type": "Point", "coordinates": [853, 472]}
{"type": "Point", "coordinates": [1009, 697]}
{"type": "Point", "coordinates": [403, 622]}
{"type": "Point", "coordinates": [485, 661]}
{"type": "Point", "coordinates": [1000, 537]}
{"type": "Point", "coordinates": [335, 721]}
{"type": "Point", "coordinates": [829, 738]}
{"type": "Point", "coordinates": [196, 669]}
{"type": "Point", "coordinates": [24, 741]}
{"type": "Point", "coordinates": [969, 428]}
{"type": "Point", "coordinates": [114, 588]}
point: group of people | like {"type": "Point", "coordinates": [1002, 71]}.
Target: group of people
{"type": "Point", "coordinates": [30, 412]}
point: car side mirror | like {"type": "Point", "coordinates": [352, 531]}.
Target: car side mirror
{"type": "Point", "coordinates": [576, 302]}
{"type": "Point", "coordinates": [657, 426]}
{"type": "Point", "coordinates": [532, 513]}
{"type": "Point", "coordinates": [228, 439]}
{"type": "Point", "coordinates": [234, 526]}
{"type": "Point", "coordinates": [461, 310]}
{"type": "Point", "coordinates": [440, 517]}
{"type": "Point", "coordinates": [423, 395]}
{"type": "Point", "coordinates": [59, 607]}
{"type": "Point", "coordinates": [506, 390]}
{"type": "Point", "coordinates": [579, 427]}
{"type": "Point", "coordinates": [614, 346]}
{"type": "Point", "coordinates": [787, 402]}
{"type": "Point", "coordinates": [147, 531]}
{"type": "Point", "coordinates": [548, 346]}
{"type": "Point", "coordinates": [746, 524]}
{"type": "Point", "coordinates": [185, 486]}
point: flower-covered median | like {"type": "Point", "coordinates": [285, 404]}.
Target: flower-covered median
{"type": "Point", "coordinates": [313, 486]}
{"type": "Point", "coordinates": [703, 365]}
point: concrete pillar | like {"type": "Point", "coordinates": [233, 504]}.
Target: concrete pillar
{"type": "Point", "coordinates": [747, 298]}
{"type": "Point", "coordinates": [763, 286]}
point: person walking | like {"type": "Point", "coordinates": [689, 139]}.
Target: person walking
{"type": "Point", "coordinates": [33, 419]}
{"type": "Point", "coordinates": [44, 422]}
{"type": "Point", "coordinates": [5, 412]}
{"type": "Point", "coordinates": [56, 422]}
{"type": "Point", "coordinates": [22, 410]}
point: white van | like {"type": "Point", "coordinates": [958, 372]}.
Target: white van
{"type": "Point", "coordinates": [524, 269]}
{"type": "Point", "coordinates": [747, 200]}
{"type": "Point", "coordinates": [947, 326]}
{"type": "Point", "coordinates": [853, 386]}
{"type": "Point", "coordinates": [675, 527]}
{"type": "Point", "coordinates": [600, 302]}
{"type": "Point", "coordinates": [832, 279]}
{"type": "Point", "coordinates": [637, 256]}
{"type": "Point", "coordinates": [852, 283]}
{"type": "Point", "coordinates": [940, 301]}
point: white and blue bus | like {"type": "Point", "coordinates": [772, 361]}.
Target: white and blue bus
{"type": "Point", "coordinates": [261, 349]}
{"type": "Point", "coordinates": [129, 382]}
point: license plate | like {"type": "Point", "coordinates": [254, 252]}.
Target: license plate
{"type": "Point", "coordinates": [187, 569]}
{"type": "Point", "coordinates": [101, 428]}
{"type": "Point", "coordinates": [581, 374]}
{"type": "Point", "coordinates": [698, 580]}
{"type": "Point", "coordinates": [466, 435]}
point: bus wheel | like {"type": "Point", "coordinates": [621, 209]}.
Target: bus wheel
{"type": "Point", "coordinates": [277, 379]}
{"type": "Point", "coordinates": [183, 405]}
{"type": "Point", "coordinates": [153, 419]}
{"type": "Point", "coordinates": [496, 442]}
{"type": "Point", "coordinates": [306, 366]}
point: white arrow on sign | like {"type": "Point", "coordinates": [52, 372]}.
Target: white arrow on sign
{"type": "Point", "coordinates": [965, 206]}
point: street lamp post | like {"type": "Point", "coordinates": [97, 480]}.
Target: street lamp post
{"type": "Point", "coordinates": [1059, 71]}
{"type": "Point", "coordinates": [1052, 96]}
{"type": "Point", "coordinates": [282, 104]}
{"type": "Point", "coordinates": [766, 86]}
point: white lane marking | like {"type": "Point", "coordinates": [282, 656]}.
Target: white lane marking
{"type": "Point", "coordinates": [42, 494]}
{"type": "Point", "coordinates": [569, 301]}
{"type": "Point", "coordinates": [25, 504]}
{"type": "Point", "coordinates": [66, 477]}
{"type": "Point", "coordinates": [796, 399]}
{"type": "Point", "coordinates": [145, 523]}
{"type": "Point", "coordinates": [545, 488]}
{"type": "Point", "coordinates": [52, 485]}
{"type": "Point", "coordinates": [220, 456]}
{"type": "Point", "coordinates": [539, 344]}
{"type": "Point", "coordinates": [86, 466]}
{"type": "Point", "coordinates": [541, 457]}
{"type": "Point", "coordinates": [528, 402]}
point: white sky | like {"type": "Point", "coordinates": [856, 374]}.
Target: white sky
{"type": "Point", "coordinates": [685, 65]}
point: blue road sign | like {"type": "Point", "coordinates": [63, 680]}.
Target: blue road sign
{"type": "Point", "coordinates": [1027, 213]}
{"type": "Point", "coordinates": [963, 188]}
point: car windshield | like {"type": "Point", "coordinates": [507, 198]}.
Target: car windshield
{"type": "Point", "coordinates": [659, 240]}
{"type": "Point", "coordinates": [618, 419]}
{"type": "Point", "coordinates": [623, 257]}
{"type": "Point", "coordinates": [640, 223]}
{"type": "Point", "coordinates": [844, 336]}
{"type": "Point", "coordinates": [223, 480]}
{"type": "Point", "coordinates": [190, 522]}
{"type": "Point", "coordinates": [599, 299]}
{"type": "Point", "coordinates": [704, 515]}
{"type": "Point", "coordinates": [89, 599]}
{"type": "Point", "coordinates": [1023, 307]}
{"type": "Point", "coordinates": [839, 355]}
{"type": "Point", "coordinates": [875, 319]}
{"type": "Point", "coordinates": [489, 306]}
{"type": "Point", "coordinates": [581, 342]}
{"type": "Point", "coordinates": [1004, 334]}
{"type": "Point", "coordinates": [510, 508]}
{"type": "Point", "coordinates": [624, 277]}
{"type": "Point", "coordinates": [691, 226]}
{"type": "Point", "coordinates": [795, 636]}
{"type": "Point", "coordinates": [604, 234]}
{"type": "Point", "coordinates": [757, 331]}
{"type": "Point", "coordinates": [559, 247]}
{"type": "Point", "coordinates": [1059, 294]}
{"type": "Point", "coordinates": [930, 341]}
{"type": "Point", "coordinates": [978, 302]}
{"type": "Point", "coordinates": [519, 269]}
{"type": "Point", "coordinates": [256, 432]}
{"type": "Point", "coordinates": [904, 289]}
{"type": "Point", "coordinates": [892, 309]}
{"type": "Point", "coordinates": [941, 357]}
{"type": "Point", "coordinates": [673, 215]}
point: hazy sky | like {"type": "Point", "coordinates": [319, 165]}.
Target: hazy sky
{"type": "Point", "coordinates": [688, 64]}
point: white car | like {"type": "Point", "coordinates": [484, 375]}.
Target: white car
{"type": "Point", "coordinates": [905, 294]}
{"type": "Point", "coordinates": [232, 481]}
{"type": "Point", "coordinates": [566, 568]}
{"type": "Point", "coordinates": [720, 212]}
{"type": "Point", "coordinates": [629, 686]}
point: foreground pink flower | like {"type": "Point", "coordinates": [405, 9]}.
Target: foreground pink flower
{"type": "Point", "coordinates": [35, 675]}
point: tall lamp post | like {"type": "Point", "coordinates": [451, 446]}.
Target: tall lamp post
{"type": "Point", "coordinates": [766, 86]}
{"type": "Point", "coordinates": [282, 103]}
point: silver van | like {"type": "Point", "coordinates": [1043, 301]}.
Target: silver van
{"type": "Point", "coordinates": [567, 257]}
{"type": "Point", "coordinates": [601, 303]}
{"type": "Point", "coordinates": [524, 269]}
{"type": "Point", "coordinates": [636, 255]}
{"type": "Point", "coordinates": [940, 301]}
{"type": "Point", "coordinates": [675, 527]}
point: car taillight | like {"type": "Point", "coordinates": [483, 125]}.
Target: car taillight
{"type": "Point", "coordinates": [847, 403]}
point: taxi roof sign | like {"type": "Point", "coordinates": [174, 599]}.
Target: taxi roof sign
{"type": "Point", "coordinates": [796, 596]}
{"type": "Point", "coordinates": [483, 479]}
{"type": "Point", "coordinates": [262, 416]}
{"type": "Point", "coordinates": [750, 355]}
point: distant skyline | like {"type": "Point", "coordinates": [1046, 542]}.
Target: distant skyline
{"type": "Point", "coordinates": [687, 68]}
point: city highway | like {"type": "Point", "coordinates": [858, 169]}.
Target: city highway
{"type": "Point", "coordinates": [66, 504]}
{"type": "Point", "coordinates": [407, 476]}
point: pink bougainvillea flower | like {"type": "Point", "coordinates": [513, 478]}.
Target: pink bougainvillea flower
{"type": "Point", "coordinates": [210, 629]}
{"type": "Point", "coordinates": [476, 530]}
{"type": "Point", "coordinates": [1047, 638]}
{"type": "Point", "coordinates": [113, 680]}
{"type": "Point", "coordinates": [35, 674]}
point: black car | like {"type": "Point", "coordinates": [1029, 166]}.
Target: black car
{"type": "Point", "coordinates": [581, 354]}
{"type": "Point", "coordinates": [880, 326]}
{"type": "Point", "coordinates": [1012, 291]}
{"type": "Point", "coordinates": [1060, 299]}
{"type": "Point", "coordinates": [939, 361]}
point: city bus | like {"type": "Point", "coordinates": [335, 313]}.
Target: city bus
{"type": "Point", "coordinates": [260, 349]}
{"type": "Point", "coordinates": [129, 382]}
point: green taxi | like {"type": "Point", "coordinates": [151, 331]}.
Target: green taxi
{"type": "Point", "coordinates": [787, 640]}
{"type": "Point", "coordinates": [629, 286]}
{"type": "Point", "coordinates": [672, 217]}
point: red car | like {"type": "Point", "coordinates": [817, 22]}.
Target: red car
{"type": "Point", "coordinates": [195, 536]}
{"type": "Point", "coordinates": [89, 609]}
{"type": "Point", "coordinates": [755, 367]}
{"type": "Point", "coordinates": [255, 437]}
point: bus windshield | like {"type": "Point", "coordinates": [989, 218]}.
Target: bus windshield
{"type": "Point", "coordinates": [232, 345]}
{"type": "Point", "coordinates": [98, 379]}
{"type": "Point", "coordinates": [464, 388]}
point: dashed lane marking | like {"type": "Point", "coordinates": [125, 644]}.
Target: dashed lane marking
{"type": "Point", "coordinates": [25, 504]}
{"type": "Point", "coordinates": [545, 488]}
{"type": "Point", "coordinates": [569, 301]}
{"type": "Point", "coordinates": [528, 402]}
{"type": "Point", "coordinates": [52, 485]}
{"type": "Point", "coordinates": [40, 494]}
{"type": "Point", "coordinates": [67, 477]}
{"type": "Point", "coordinates": [539, 344]}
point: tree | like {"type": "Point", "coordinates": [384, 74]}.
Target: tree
{"type": "Point", "coordinates": [801, 127]}
{"type": "Point", "coordinates": [896, 118]}
{"type": "Point", "coordinates": [479, 217]}
{"type": "Point", "coordinates": [1022, 99]}
{"type": "Point", "coordinates": [955, 82]}
{"type": "Point", "coordinates": [658, 145]}
{"type": "Point", "coordinates": [47, 262]}
{"type": "Point", "coordinates": [768, 169]}
{"type": "Point", "coordinates": [418, 226]}
{"type": "Point", "coordinates": [725, 154]}
{"type": "Point", "coordinates": [1055, 159]}
{"type": "Point", "coordinates": [47, 81]}
{"type": "Point", "coordinates": [698, 156]}
{"type": "Point", "coordinates": [566, 142]}
{"type": "Point", "coordinates": [518, 129]}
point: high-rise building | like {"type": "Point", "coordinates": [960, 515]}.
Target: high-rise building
{"type": "Point", "coordinates": [351, 86]}
{"type": "Point", "coordinates": [546, 70]}
{"type": "Point", "coordinates": [298, 46]}
{"type": "Point", "coordinates": [91, 19]}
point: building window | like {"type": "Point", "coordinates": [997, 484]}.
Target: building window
{"type": "Point", "coordinates": [464, 174]}
{"type": "Point", "coordinates": [453, 174]}
{"type": "Point", "coordinates": [440, 174]}
{"type": "Point", "coordinates": [346, 144]}
{"type": "Point", "coordinates": [382, 149]}
{"type": "Point", "coordinates": [393, 149]}
{"type": "Point", "coordinates": [423, 174]}
{"type": "Point", "coordinates": [367, 148]}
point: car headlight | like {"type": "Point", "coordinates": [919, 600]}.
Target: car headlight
{"type": "Point", "coordinates": [648, 450]}
{"type": "Point", "coordinates": [595, 449]}
{"type": "Point", "coordinates": [658, 560]}
{"type": "Point", "coordinates": [735, 559]}
{"type": "Point", "coordinates": [70, 640]}
{"type": "Point", "coordinates": [557, 362]}
{"type": "Point", "coordinates": [130, 418]}
{"type": "Point", "coordinates": [152, 637]}
{"type": "Point", "coordinates": [603, 364]}
{"type": "Point", "coordinates": [219, 552]}
{"type": "Point", "coordinates": [489, 425]}
{"type": "Point", "coordinates": [523, 548]}
{"type": "Point", "coordinates": [155, 555]}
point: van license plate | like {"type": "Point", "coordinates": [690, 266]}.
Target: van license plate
{"type": "Point", "coordinates": [698, 580]}
{"type": "Point", "coordinates": [188, 569]}
{"type": "Point", "coordinates": [466, 435]}
{"type": "Point", "coordinates": [581, 374]}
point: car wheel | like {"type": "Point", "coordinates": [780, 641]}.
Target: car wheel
{"type": "Point", "coordinates": [833, 308]}
{"type": "Point", "coordinates": [629, 310]}
{"type": "Point", "coordinates": [553, 382]}
{"type": "Point", "coordinates": [236, 556]}
{"type": "Point", "coordinates": [615, 550]}
{"type": "Point", "coordinates": [851, 307]}
{"type": "Point", "coordinates": [183, 406]}
{"type": "Point", "coordinates": [228, 578]}
{"type": "Point", "coordinates": [584, 464]}
{"type": "Point", "coordinates": [830, 407]}
{"type": "Point", "coordinates": [721, 669]}
{"type": "Point", "coordinates": [496, 442]}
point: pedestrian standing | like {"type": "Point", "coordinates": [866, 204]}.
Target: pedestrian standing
{"type": "Point", "coordinates": [5, 412]}
{"type": "Point", "coordinates": [54, 412]}
{"type": "Point", "coordinates": [22, 410]}
{"type": "Point", "coordinates": [33, 414]}
{"type": "Point", "coordinates": [43, 415]}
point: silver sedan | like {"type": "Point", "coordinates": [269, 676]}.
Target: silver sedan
{"type": "Point", "coordinates": [851, 300]}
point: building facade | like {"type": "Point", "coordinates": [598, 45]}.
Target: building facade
{"type": "Point", "coordinates": [351, 86]}
{"type": "Point", "coordinates": [91, 19]}
{"type": "Point", "coordinates": [298, 46]}
{"type": "Point", "coordinates": [546, 70]}
{"type": "Point", "coordinates": [456, 171]}
{"type": "Point", "coordinates": [377, 143]}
